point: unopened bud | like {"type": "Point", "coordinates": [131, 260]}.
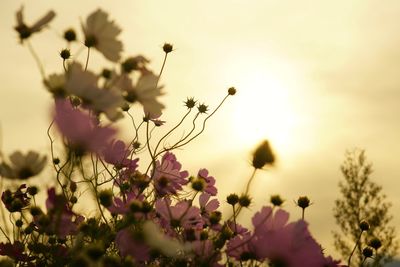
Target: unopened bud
{"type": "Point", "coordinates": [303, 202]}
{"type": "Point", "coordinates": [70, 35]}
{"type": "Point", "coordinates": [167, 48]}
{"type": "Point", "coordinates": [263, 155]}
{"type": "Point", "coordinates": [232, 199]}
{"type": "Point", "coordinates": [232, 91]}
{"type": "Point", "coordinates": [375, 243]}
{"type": "Point", "coordinates": [276, 200]}
{"type": "Point", "coordinates": [364, 226]}
{"type": "Point", "coordinates": [105, 198]}
{"type": "Point", "coordinates": [244, 201]}
{"type": "Point", "coordinates": [367, 252]}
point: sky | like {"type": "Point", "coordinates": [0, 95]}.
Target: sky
{"type": "Point", "coordinates": [314, 77]}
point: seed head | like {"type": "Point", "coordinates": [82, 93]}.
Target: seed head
{"type": "Point", "coordinates": [231, 90]}
{"type": "Point", "coordinates": [65, 54]}
{"type": "Point", "coordinates": [70, 35]}
{"type": "Point", "coordinates": [167, 48]}
{"type": "Point", "coordinates": [368, 252]}
{"type": "Point", "coordinates": [202, 108]}
{"type": "Point", "coordinates": [303, 202]}
{"type": "Point", "coordinates": [232, 199]}
{"type": "Point", "coordinates": [276, 200]}
{"type": "Point", "coordinates": [364, 226]}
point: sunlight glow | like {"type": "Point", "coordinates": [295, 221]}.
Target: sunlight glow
{"type": "Point", "coordinates": [270, 98]}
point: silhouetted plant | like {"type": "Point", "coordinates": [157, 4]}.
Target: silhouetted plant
{"type": "Point", "coordinates": [363, 202]}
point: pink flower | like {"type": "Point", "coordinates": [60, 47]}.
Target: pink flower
{"type": "Point", "coordinates": [128, 245]}
{"type": "Point", "coordinates": [206, 206]}
{"type": "Point", "coordinates": [168, 177]}
{"type": "Point", "coordinates": [16, 201]}
{"type": "Point", "coordinates": [61, 220]}
{"type": "Point", "coordinates": [80, 129]}
{"type": "Point", "coordinates": [241, 247]}
{"type": "Point", "coordinates": [285, 243]}
{"type": "Point", "coordinates": [181, 215]}
{"type": "Point", "coordinates": [117, 153]}
{"type": "Point", "coordinates": [120, 206]}
{"type": "Point", "coordinates": [209, 181]}
{"type": "Point", "coordinates": [206, 254]}
{"type": "Point", "coordinates": [14, 251]}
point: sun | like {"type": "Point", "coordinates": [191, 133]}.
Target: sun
{"type": "Point", "coordinates": [266, 111]}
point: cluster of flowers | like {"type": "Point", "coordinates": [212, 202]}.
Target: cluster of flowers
{"type": "Point", "coordinates": [158, 216]}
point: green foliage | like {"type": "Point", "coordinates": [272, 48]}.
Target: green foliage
{"type": "Point", "coordinates": [362, 199]}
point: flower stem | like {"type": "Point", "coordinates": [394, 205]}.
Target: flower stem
{"type": "Point", "coordinates": [354, 249]}
{"type": "Point", "coordinates": [87, 58]}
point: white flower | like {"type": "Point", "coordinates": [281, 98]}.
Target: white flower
{"type": "Point", "coordinates": [156, 239]}
{"type": "Point", "coordinates": [55, 83]}
{"type": "Point", "coordinates": [145, 92]}
{"type": "Point", "coordinates": [101, 34]}
{"type": "Point", "coordinates": [24, 30]}
{"type": "Point", "coordinates": [83, 84]}
{"type": "Point", "coordinates": [23, 166]}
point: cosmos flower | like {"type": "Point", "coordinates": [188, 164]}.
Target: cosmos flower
{"type": "Point", "coordinates": [80, 129]}
{"type": "Point", "coordinates": [26, 31]}
{"type": "Point", "coordinates": [23, 166]}
{"type": "Point", "coordinates": [83, 84]}
{"type": "Point", "coordinates": [168, 177]}
{"type": "Point", "coordinates": [181, 215]}
{"type": "Point", "coordinates": [209, 182]}
{"type": "Point", "coordinates": [117, 153]}
{"type": "Point", "coordinates": [146, 91]}
{"type": "Point", "coordinates": [288, 244]}
{"type": "Point", "coordinates": [55, 84]}
{"type": "Point", "coordinates": [101, 33]}
{"type": "Point", "coordinates": [129, 243]}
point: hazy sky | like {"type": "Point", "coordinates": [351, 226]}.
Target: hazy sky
{"type": "Point", "coordinates": [314, 77]}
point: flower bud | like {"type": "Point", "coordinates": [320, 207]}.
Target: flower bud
{"type": "Point", "coordinates": [276, 200]}
{"type": "Point", "coordinates": [65, 54]}
{"type": "Point", "coordinates": [364, 226]}
{"type": "Point", "coordinates": [198, 184]}
{"type": "Point", "coordinates": [73, 199]}
{"type": "Point", "coordinates": [167, 48]}
{"type": "Point", "coordinates": [106, 73]}
{"type": "Point", "coordinates": [202, 108]}
{"type": "Point", "coordinates": [244, 201]}
{"type": "Point", "coordinates": [232, 199]}
{"type": "Point", "coordinates": [105, 198]}
{"type": "Point", "coordinates": [232, 91]}
{"type": "Point", "coordinates": [35, 211]}
{"type": "Point", "coordinates": [32, 190]}
{"type": "Point", "coordinates": [19, 223]}
{"type": "Point", "coordinates": [263, 155]}
{"type": "Point", "coordinates": [367, 252]}
{"type": "Point", "coordinates": [146, 207]}
{"type": "Point", "coordinates": [190, 102]}
{"type": "Point", "coordinates": [135, 206]}
{"type": "Point", "coordinates": [303, 202]}
{"type": "Point", "coordinates": [215, 217]}
{"type": "Point", "coordinates": [70, 35]}
{"type": "Point", "coordinates": [130, 64]}
{"type": "Point", "coordinates": [375, 243]}
{"type": "Point", "coordinates": [73, 186]}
